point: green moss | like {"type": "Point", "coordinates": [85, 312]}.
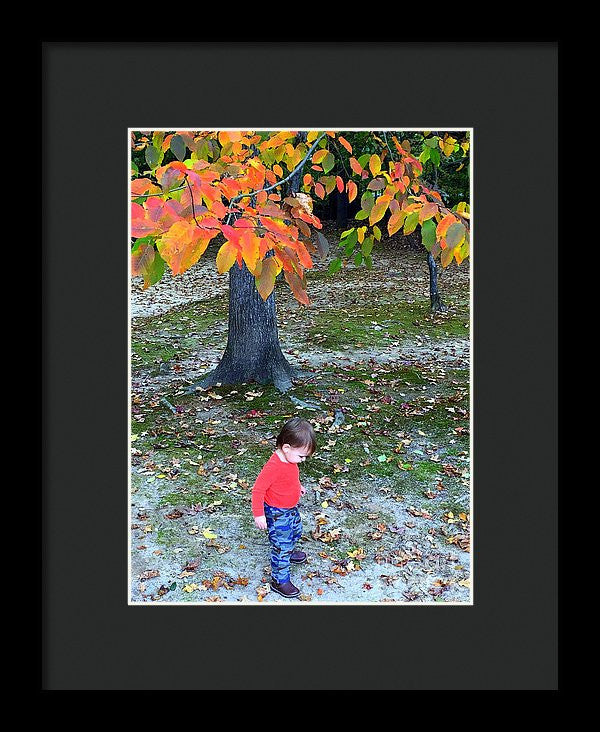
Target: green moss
{"type": "Point", "coordinates": [372, 325]}
{"type": "Point", "coordinates": [425, 471]}
{"type": "Point", "coordinates": [149, 352]}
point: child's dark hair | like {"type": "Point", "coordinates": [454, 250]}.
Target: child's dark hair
{"type": "Point", "coordinates": [297, 432]}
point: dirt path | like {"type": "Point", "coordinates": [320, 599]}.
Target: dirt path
{"type": "Point", "coordinates": [387, 513]}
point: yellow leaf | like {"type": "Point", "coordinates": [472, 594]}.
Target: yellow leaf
{"type": "Point", "coordinates": [465, 583]}
{"type": "Point", "coordinates": [190, 588]}
{"type": "Point", "coordinates": [226, 256]}
{"type": "Point", "coordinates": [208, 534]}
{"type": "Point", "coordinates": [374, 164]}
{"type": "Point", "coordinates": [134, 437]}
{"type": "Point", "coordinates": [324, 504]}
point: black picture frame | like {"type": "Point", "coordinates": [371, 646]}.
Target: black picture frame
{"type": "Point", "coordinates": [92, 92]}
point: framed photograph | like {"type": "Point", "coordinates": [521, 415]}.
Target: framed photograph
{"type": "Point", "coordinates": [293, 359]}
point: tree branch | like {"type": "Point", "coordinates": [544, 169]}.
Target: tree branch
{"type": "Point", "coordinates": [283, 180]}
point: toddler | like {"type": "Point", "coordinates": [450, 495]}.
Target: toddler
{"type": "Point", "coordinates": [275, 496]}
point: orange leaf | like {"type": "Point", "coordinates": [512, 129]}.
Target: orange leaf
{"type": "Point", "coordinates": [339, 183]}
{"type": "Point", "coordinates": [319, 156]}
{"type": "Point", "coordinates": [319, 190]}
{"type": "Point", "coordinates": [183, 245]}
{"type": "Point", "coordinates": [296, 287]}
{"type": "Point", "coordinates": [444, 225]}
{"type": "Point", "coordinates": [356, 166]}
{"type": "Point", "coordinates": [250, 248]}
{"type": "Point", "coordinates": [307, 179]}
{"type": "Point", "coordinates": [143, 185]}
{"type": "Point", "coordinates": [278, 170]}
{"type": "Point", "coordinates": [226, 136]}
{"type": "Point", "coordinates": [352, 190]}
{"type": "Point", "coordinates": [395, 222]}
{"type": "Point", "coordinates": [428, 210]}
{"type": "Point", "coordinates": [379, 209]}
{"type": "Point", "coordinates": [346, 144]}
{"type": "Point", "coordinates": [265, 282]}
{"type": "Point", "coordinates": [303, 255]}
{"type": "Point", "coordinates": [141, 223]}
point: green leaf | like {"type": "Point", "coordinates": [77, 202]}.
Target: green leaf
{"type": "Point", "coordinates": [434, 155]}
{"type": "Point", "coordinates": [358, 259]}
{"type": "Point", "coordinates": [410, 222]}
{"type": "Point", "coordinates": [377, 232]}
{"type": "Point", "coordinates": [367, 201]}
{"type": "Point", "coordinates": [173, 586]}
{"type": "Point", "coordinates": [428, 234]}
{"type": "Point", "coordinates": [142, 240]}
{"type": "Point", "coordinates": [156, 270]}
{"type": "Point", "coordinates": [350, 243]}
{"type": "Point", "coordinates": [455, 235]}
{"type": "Point", "coordinates": [364, 160]}
{"type": "Point", "coordinates": [157, 139]}
{"type": "Point", "coordinates": [362, 214]}
{"type": "Point", "coordinates": [424, 156]}
{"type": "Point", "coordinates": [432, 142]}
{"type": "Point", "coordinates": [345, 233]}
{"type": "Point", "coordinates": [334, 266]}
{"type": "Point", "coordinates": [152, 156]}
{"type": "Point", "coordinates": [178, 147]}
{"type": "Point", "coordinates": [367, 245]}
{"type": "Point", "coordinates": [328, 162]}
{"type": "Point", "coordinates": [368, 262]}
{"type": "Point", "coordinates": [134, 168]}
{"type": "Point", "coordinates": [382, 458]}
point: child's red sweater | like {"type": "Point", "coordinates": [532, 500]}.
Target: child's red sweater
{"type": "Point", "coordinates": [278, 484]}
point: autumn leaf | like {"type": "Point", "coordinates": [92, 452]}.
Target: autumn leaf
{"type": "Point", "coordinates": [208, 534]}
{"type": "Point", "coordinates": [395, 222]}
{"type": "Point", "coordinates": [444, 225]}
{"type": "Point", "coordinates": [183, 245]}
{"type": "Point", "coordinates": [265, 282]}
{"type": "Point", "coordinates": [352, 190]}
{"type": "Point", "coordinates": [455, 235]}
{"type": "Point", "coordinates": [297, 288]}
{"type": "Point", "coordinates": [345, 143]}
{"type": "Point", "coordinates": [226, 256]}
{"type": "Point", "coordinates": [375, 164]}
{"type": "Point", "coordinates": [356, 166]}
{"type": "Point", "coordinates": [379, 209]}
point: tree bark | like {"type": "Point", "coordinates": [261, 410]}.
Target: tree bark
{"type": "Point", "coordinates": [436, 301]}
{"type": "Point", "coordinates": [253, 352]}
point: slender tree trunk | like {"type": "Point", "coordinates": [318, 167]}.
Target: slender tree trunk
{"type": "Point", "coordinates": [253, 352]}
{"type": "Point", "coordinates": [436, 301]}
{"type": "Point", "coordinates": [342, 209]}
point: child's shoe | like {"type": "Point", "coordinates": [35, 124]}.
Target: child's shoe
{"type": "Point", "coordinates": [298, 557]}
{"type": "Point", "coordinates": [285, 589]}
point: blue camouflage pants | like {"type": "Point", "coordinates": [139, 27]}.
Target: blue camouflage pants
{"type": "Point", "coordinates": [284, 526]}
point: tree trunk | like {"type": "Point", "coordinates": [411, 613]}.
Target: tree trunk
{"type": "Point", "coordinates": [436, 301]}
{"type": "Point", "coordinates": [253, 352]}
{"type": "Point", "coordinates": [342, 209]}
